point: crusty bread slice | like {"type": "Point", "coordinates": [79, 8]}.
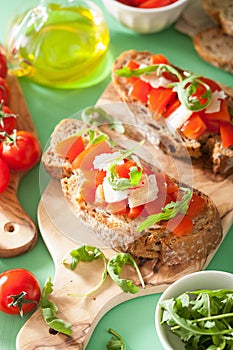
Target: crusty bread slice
{"type": "Point", "coordinates": [120, 233]}
{"type": "Point", "coordinates": [215, 47]}
{"type": "Point", "coordinates": [221, 12]}
{"type": "Point", "coordinates": [220, 159]}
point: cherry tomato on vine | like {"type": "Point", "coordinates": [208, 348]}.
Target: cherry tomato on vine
{"type": "Point", "coordinates": [3, 65]}
{"type": "Point", "coordinates": [20, 150]}
{"type": "Point", "coordinates": [4, 175]}
{"type": "Point", "coordinates": [19, 291]}
{"type": "Point", "coordinates": [4, 91]}
{"type": "Point", "coordinates": [8, 120]}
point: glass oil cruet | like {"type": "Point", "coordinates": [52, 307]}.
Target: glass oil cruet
{"type": "Point", "coordinates": [59, 43]}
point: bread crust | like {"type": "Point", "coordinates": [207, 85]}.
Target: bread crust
{"type": "Point", "coordinates": [120, 233]}
{"type": "Point", "coordinates": [198, 149]}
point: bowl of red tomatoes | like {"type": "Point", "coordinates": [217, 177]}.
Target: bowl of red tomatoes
{"type": "Point", "coordinates": [146, 16]}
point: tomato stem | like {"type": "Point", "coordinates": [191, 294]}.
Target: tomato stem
{"type": "Point", "coordinates": [19, 300]}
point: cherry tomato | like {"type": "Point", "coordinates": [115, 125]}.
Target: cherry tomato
{"type": "Point", "coordinates": [19, 291]}
{"type": "Point", "coordinates": [8, 120]}
{"type": "Point", "coordinates": [3, 65]}
{"type": "Point", "coordinates": [196, 205]}
{"type": "Point", "coordinates": [22, 152]}
{"type": "Point", "coordinates": [4, 91]}
{"type": "Point", "coordinates": [159, 58]}
{"type": "Point", "coordinates": [135, 212]}
{"type": "Point", "coordinates": [4, 175]}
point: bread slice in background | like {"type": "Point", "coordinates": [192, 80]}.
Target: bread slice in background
{"type": "Point", "coordinates": [215, 47]}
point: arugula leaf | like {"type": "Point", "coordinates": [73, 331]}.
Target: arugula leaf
{"type": "Point", "coordinates": [135, 172]}
{"type": "Point", "coordinates": [49, 310]}
{"type": "Point", "coordinates": [114, 267]}
{"type": "Point", "coordinates": [87, 253]}
{"type": "Point", "coordinates": [159, 68]}
{"type": "Point", "coordinates": [186, 90]}
{"type": "Point", "coordinates": [96, 116]}
{"type": "Point", "coordinates": [213, 329]}
{"type": "Point", "coordinates": [116, 342]}
{"type": "Point", "coordinates": [169, 211]}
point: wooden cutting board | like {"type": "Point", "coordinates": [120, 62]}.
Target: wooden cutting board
{"type": "Point", "coordinates": [62, 231]}
{"type": "Point", "coordinates": [18, 232]}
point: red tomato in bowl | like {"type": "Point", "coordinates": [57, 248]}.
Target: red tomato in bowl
{"type": "Point", "coordinates": [19, 291]}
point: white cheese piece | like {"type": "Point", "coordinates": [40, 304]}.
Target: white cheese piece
{"type": "Point", "coordinates": [178, 117]}
{"type": "Point", "coordinates": [111, 195]}
{"type": "Point", "coordinates": [102, 161]}
{"type": "Point", "coordinates": [215, 102]}
{"type": "Point", "coordinates": [155, 80]}
{"type": "Point", "coordinates": [147, 192]}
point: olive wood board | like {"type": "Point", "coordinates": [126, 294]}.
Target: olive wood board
{"type": "Point", "coordinates": [18, 232]}
{"type": "Point", "coordinates": [62, 232]}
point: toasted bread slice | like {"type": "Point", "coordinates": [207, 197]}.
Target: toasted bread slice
{"type": "Point", "coordinates": [205, 147]}
{"type": "Point", "coordinates": [119, 231]}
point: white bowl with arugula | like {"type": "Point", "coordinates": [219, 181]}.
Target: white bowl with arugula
{"type": "Point", "coordinates": [196, 312]}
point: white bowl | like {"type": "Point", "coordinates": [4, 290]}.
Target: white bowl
{"type": "Point", "coordinates": [145, 20]}
{"type": "Point", "coordinates": [197, 280]}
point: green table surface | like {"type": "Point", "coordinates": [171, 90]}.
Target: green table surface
{"type": "Point", "coordinates": [133, 319]}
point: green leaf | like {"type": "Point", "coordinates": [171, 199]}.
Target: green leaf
{"type": "Point", "coordinates": [87, 253]}
{"type": "Point", "coordinates": [169, 211]}
{"type": "Point", "coordinates": [116, 342]}
{"type": "Point", "coordinates": [49, 310]}
{"type": "Point", "coordinates": [158, 68]}
{"type": "Point", "coordinates": [114, 267]}
{"type": "Point", "coordinates": [135, 172]}
{"type": "Point", "coordinates": [96, 116]}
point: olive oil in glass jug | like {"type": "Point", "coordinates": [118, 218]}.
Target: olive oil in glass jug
{"type": "Point", "coordinates": [60, 44]}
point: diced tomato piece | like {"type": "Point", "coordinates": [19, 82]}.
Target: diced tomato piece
{"type": "Point", "coordinates": [133, 213]}
{"type": "Point", "coordinates": [180, 225]}
{"type": "Point", "coordinates": [140, 90]}
{"type": "Point", "coordinates": [194, 127]}
{"type": "Point", "coordinates": [212, 84]}
{"type": "Point", "coordinates": [172, 187]}
{"type": "Point", "coordinates": [85, 159]}
{"type": "Point", "coordinates": [155, 3]}
{"type": "Point", "coordinates": [70, 147]}
{"type": "Point", "coordinates": [226, 132]}
{"type": "Point", "coordinates": [222, 115]}
{"type": "Point", "coordinates": [196, 205]}
{"type": "Point", "coordinates": [212, 125]}
{"type": "Point", "coordinates": [133, 65]}
{"type": "Point", "coordinates": [159, 58]}
{"type": "Point", "coordinates": [159, 98]}
{"type": "Point", "coordinates": [172, 107]}
{"type": "Point", "coordinates": [123, 170]}
{"type": "Point", "coordinates": [100, 177]}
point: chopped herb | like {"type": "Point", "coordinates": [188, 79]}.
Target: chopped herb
{"type": "Point", "coordinates": [116, 342]}
{"type": "Point", "coordinates": [49, 310]}
{"type": "Point", "coordinates": [169, 211]}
